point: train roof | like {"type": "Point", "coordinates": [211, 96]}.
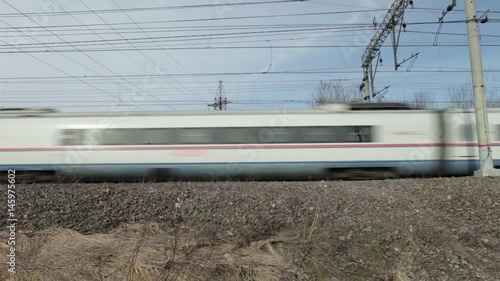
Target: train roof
{"type": "Point", "coordinates": [327, 108]}
{"type": "Point", "coordinates": [322, 109]}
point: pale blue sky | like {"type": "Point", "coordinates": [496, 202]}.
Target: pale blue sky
{"type": "Point", "coordinates": [191, 88]}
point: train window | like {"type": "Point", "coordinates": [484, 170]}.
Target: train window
{"type": "Point", "coordinates": [117, 137]}
{"type": "Point", "coordinates": [355, 134]}
{"type": "Point", "coordinates": [93, 136]}
{"type": "Point", "coordinates": [468, 134]}
{"type": "Point", "coordinates": [318, 134]}
{"type": "Point", "coordinates": [194, 136]}
{"type": "Point", "coordinates": [235, 135]}
{"type": "Point", "coordinates": [71, 137]}
{"type": "Point", "coordinates": [275, 135]}
{"type": "Point", "coordinates": [81, 137]}
{"type": "Point", "coordinates": [154, 137]}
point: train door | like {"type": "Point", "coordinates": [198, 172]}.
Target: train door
{"type": "Point", "coordinates": [460, 155]}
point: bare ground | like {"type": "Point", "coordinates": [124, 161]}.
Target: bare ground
{"type": "Point", "coordinates": [427, 229]}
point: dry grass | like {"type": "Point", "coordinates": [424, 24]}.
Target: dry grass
{"type": "Point", "coordinates": [405, 265]}
{"type": "Point", "coordinates": [389, 231]}
{"type": "Point", "coordinates": [147, 252]}
{"type": "Point", "coordinates": [152, 253]}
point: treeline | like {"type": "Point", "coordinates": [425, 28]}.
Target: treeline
{"type": "Point", "coordinates": [461, 97]}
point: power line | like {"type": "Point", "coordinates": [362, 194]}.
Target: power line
{"type": "Point", "coordinates": [147, 42]}
{"type": "Point", "coordinates": [68, 96]}
{"type": "Point", "coordinates": [140, 51]}
{"type": "Point", "coordinates": [83, 12]}
{"type": "Point", "coordinates": [149, 38]}
{"type": "Point", "coordinates": [225, 19]}
{"type": "Point", "coordinates": [140, 30]}
{"type": "Point", "coordinates": [164, 51]}
{"type": "Point", "coordinates": [265, 30]}
{"type": "Point", "coordinates": [99, 63]}
{"type": "Point", "coordinates": [170, 28]}
{"type": "Point", "coordinates": [126, 80]}
{"type": "Point", "coordinates": [228, 47]}
{"type": "Point", "coordinates": [43, 78]}
{"type": "Point", "coordinates": [244, 102]}
{"type": "Point", "coordinates": [450, 33]}
{"type": "Point", "coordinates": [60, 70]}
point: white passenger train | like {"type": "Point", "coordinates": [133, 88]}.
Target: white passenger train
{"type": "Point", "coordinates": [334, 141]}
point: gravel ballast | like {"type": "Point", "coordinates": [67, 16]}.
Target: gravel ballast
{"type": "Point", "coordinates": [451, 226]}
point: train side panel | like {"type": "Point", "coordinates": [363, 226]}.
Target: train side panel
{"type": "Point", "coordinates": [396, 142]}
{"type": "Point", "coordinates": [462, 145]}
{"type": "Point", "coordinates": [28, 144]}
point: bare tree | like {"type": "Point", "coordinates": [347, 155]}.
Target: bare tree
{"type": "Point", "coordinates": [493, 98]}
{"type": "Point", "coordinates": [463, 97]}
{"type": "Point", "coordinates": [335, 92]}
{"type": "Point", "coordinates": [422, 100]}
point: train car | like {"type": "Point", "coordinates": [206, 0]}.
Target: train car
{"type": "Point", "coordinates": [334, 141]}
{"type": "Point", "coordinates": [462, 154]}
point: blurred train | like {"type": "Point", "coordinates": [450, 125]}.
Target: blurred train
{"type": "Point", "coordinates": [335, 141]}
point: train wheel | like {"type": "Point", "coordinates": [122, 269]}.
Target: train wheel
{"type": "Point", "coordinates": [362, 174]}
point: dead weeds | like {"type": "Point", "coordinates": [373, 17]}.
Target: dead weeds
{"type": "Point", "coordinates": [148, 252]}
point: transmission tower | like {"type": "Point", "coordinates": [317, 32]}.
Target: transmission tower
{"type": "Point", "coordinates": [391, 21]}
{"type": "Point", "coordinates": [220, 101]}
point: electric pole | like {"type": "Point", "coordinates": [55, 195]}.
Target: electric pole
{"type": "Point", "coordinates": [482, 125]}
{"type": "Point", "coordinates": [220, 101]}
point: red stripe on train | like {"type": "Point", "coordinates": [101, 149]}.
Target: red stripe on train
{"type": "Point", "coordinates": [246, 146]}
